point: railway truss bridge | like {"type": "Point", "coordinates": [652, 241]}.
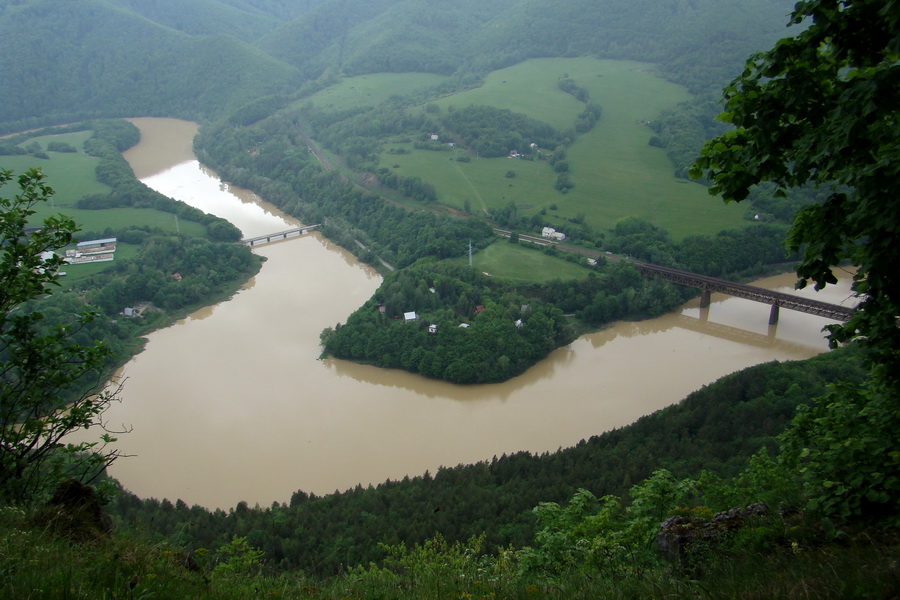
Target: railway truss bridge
{"type": "Point", "coordinates": [777, 300]}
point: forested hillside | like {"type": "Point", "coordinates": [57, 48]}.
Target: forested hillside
{"type": "Point", "coordinates": [68, 61]}
{"type": "Point", "coordinates": [697, 41]}
{"type": "Point", "coordinates": [71, 60]}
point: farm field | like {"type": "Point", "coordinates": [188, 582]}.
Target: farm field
{"type": "Point", "coordinates": [71, 176]}
{"type": "Point", "coordinates": [615, 171]}
{"type": "Point", "coordinates": [515, 261]}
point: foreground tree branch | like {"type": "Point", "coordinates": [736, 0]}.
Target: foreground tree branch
{"type": "Point", "coordinates": [823, 108]}
{"type": "Point", "coordinates": [50, 386]}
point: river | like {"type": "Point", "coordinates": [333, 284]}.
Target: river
{"type": "Point", "coordinates": [232, 403]}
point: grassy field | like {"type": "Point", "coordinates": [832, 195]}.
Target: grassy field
{"type": "Point", "coordinates": [515, 261]}
{"type": "Point", "coordinates": [371, 90]}
{"type": "Point", "coordinates": [120, 218]}
{"type": "Point", "coordinates": [71, 175]}
{"type": "Point", "coordinates": [616, 173]}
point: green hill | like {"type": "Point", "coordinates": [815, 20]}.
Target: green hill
{"type": "Point", "coordinates": [74, 60]}
{"type": "Point", "coordinates": [697, 41]}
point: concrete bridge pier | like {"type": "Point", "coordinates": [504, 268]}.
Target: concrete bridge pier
{"type": "Point", "coordinates": [704, 298]}
{"type": "Point", "coordinates": [773, 315]}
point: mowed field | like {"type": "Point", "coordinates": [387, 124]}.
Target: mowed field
{"type": "Point", "coordinates": [71, 176]}
{"type": "Point", "coordinates": [615, 171]}
{"type": "Point", "coordinates": [524, 263]}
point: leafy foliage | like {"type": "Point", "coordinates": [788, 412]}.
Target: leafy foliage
{"type": "Point", "coordinates": [822, 108]}
{"type": "Point", "coordinates": [844, 445]}
{"type": "Point", "coordinates": [51, 384]}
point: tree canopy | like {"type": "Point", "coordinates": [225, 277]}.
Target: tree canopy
{"type": "Point", "coordinates": [822, 108]}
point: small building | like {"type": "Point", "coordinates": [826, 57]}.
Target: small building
{"type": "Point", "coordinates": [434, 137]}
{"type": "Point", "coordinates": [464, 325]}
{"type": "Point", "coordinates": [552, 234]}
{"type": "Point", "coordinates": [103, 246]}
{"type": "Point", "coordinates": [432, 328]}
{"type": "Point", "coordinates": [519, 323]}
{"type": "Point", "coordinates": [410, 316]}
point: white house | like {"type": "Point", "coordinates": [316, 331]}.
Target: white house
{"type": "Point", "coordinates": [410, 316]}
{"type": "Point", "coordinates": [552, 234]}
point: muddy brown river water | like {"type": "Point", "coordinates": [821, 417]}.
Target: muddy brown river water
{"type": "Point", "coordinates": [232, 403]}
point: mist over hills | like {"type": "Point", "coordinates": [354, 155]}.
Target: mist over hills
{"type": "Point", "coordinates": [66, 60]}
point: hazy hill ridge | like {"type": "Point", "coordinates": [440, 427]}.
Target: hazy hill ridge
{"type": "Point", "coordinates": [66, 60]}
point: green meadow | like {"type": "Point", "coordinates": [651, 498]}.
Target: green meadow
{"type": "Point", "coordinates": [371, 90]}
{"type": "Point", "coordinates": [71, 176]}
{"type": "Point", "coordinates": [615, 171]}
{"type": "Point", "coordinates": [522, 263]}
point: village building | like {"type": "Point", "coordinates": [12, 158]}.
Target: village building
{"type": "Point", "coordinates": [96, 246]}
{"type": "Point", "coordinates": [552, 234]}
{"type": "Point", "coordinates": [409, 317]}
{"type": "Point", "coordinates": [92, 251]}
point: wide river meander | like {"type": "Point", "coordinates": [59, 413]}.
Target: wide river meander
{"type": "Point", "coordinates": [232, 403]}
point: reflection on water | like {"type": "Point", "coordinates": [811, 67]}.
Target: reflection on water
{"type": "Point", "coordinates": [236, 405]}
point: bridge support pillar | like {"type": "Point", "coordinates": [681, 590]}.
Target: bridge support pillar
{"type": "Point", "coordinates": [704, 299]}
{"type": "Point", "coordinates": [773, 315]}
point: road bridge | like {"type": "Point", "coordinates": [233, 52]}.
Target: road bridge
{"type": "Point", "coordinates": [279, 235]}
{"type": "Point", "coordinates": [708, 285]}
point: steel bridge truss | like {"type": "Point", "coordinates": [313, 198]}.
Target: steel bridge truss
{"type": "Point", "coordinates": [749, 292]}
